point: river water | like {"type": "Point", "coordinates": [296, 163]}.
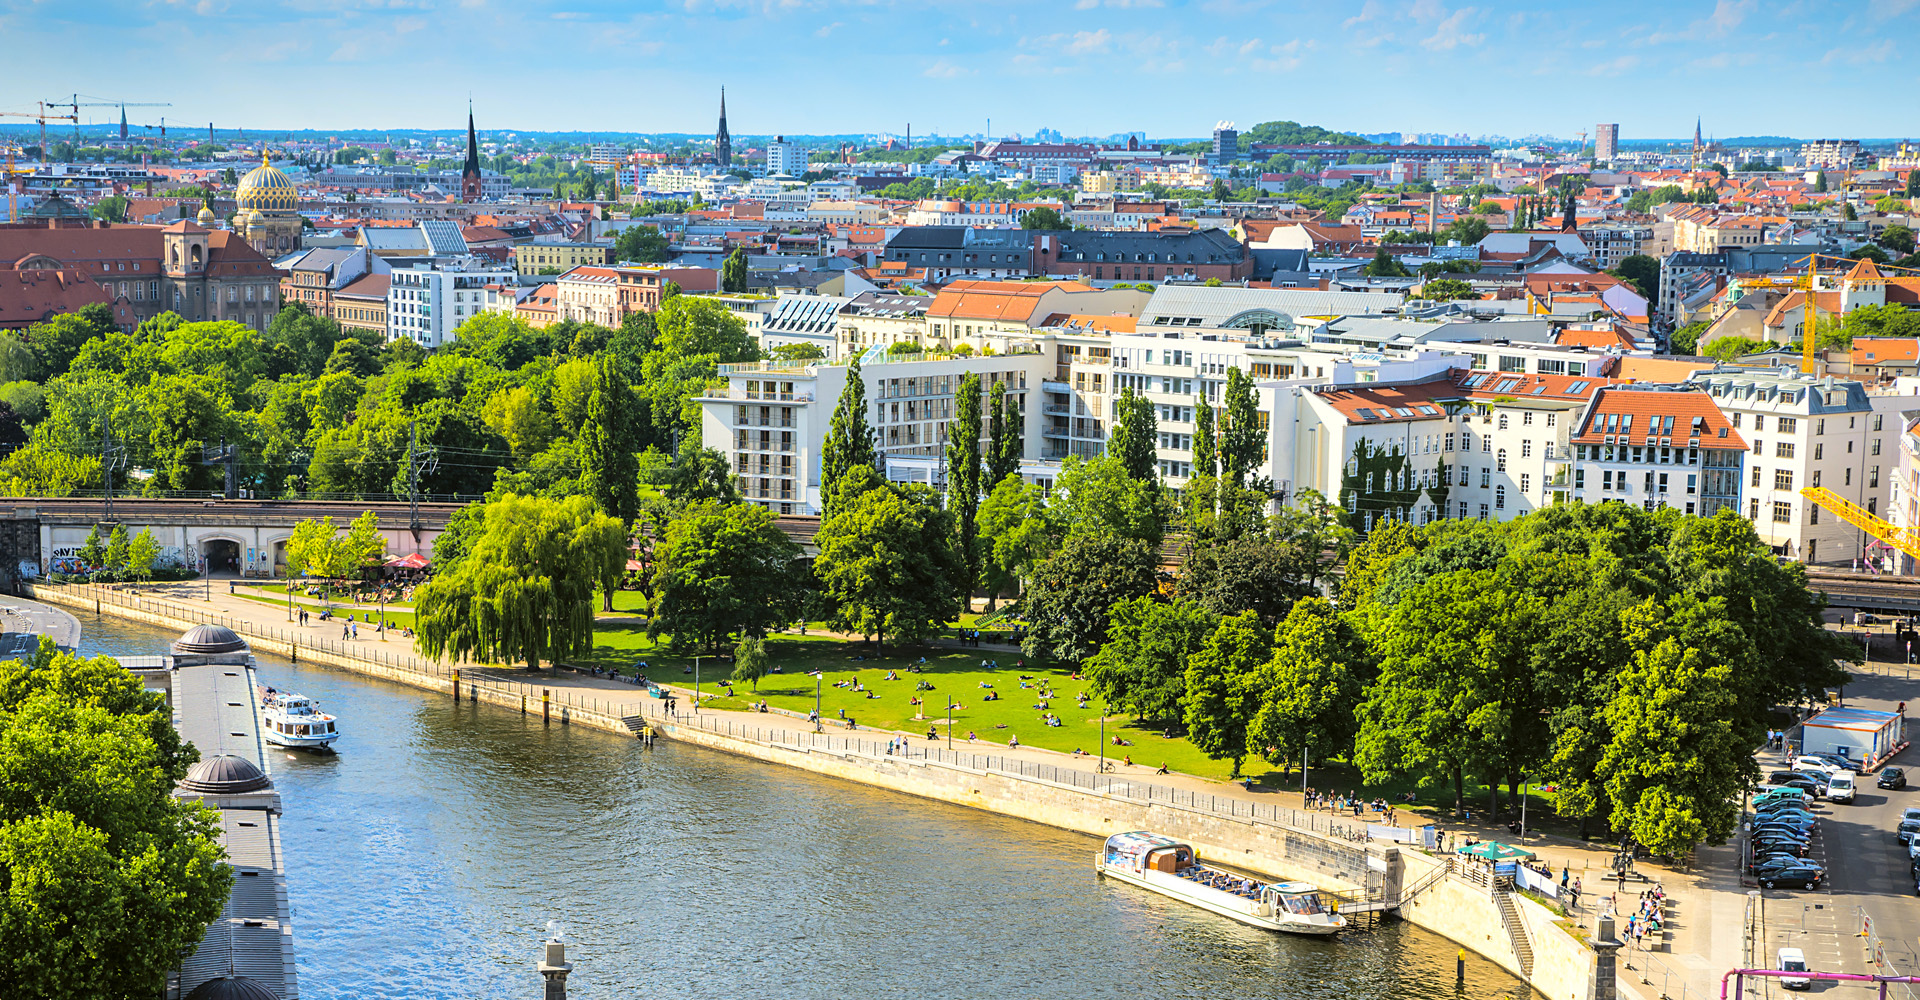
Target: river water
{"type": "Point", "coordinates": [427, 857]}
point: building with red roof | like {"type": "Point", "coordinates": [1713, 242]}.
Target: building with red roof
{"type": "Point", "coordinates": [1658, 446]}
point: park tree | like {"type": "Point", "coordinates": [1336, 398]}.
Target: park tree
{"type": "Point", "coordinates": [1898, 239]}
{"type": "Point", "coordinates": [607, 437]}
{"type": "Point", "coordinates": [1446, 290]}
{"type": "Point", "coordinates": [117, 549]}
{"type": "Point", "coordinates": [1015, 534]}
{"type": "Point", "coordinates": [1222, 687]}
{"type": "Point", "coordinates": [1205, 447]}
{"type": "Point", "coordinates": [110, 878]}
{"type": "Point", "coordinates": [641, 244]}
{"type": "Point", "coordinates": [93, 553]}
{"type": "Point", "coordinates": [1134, 436]}
{"type": "Point", "coordinates": [1003, 438]}
{"type": "Point", "coordinates": [1310, 688]}
{"type": "Point", "coordinates": [963, 481]}
{"type": "Point", "coordinates": [849, 443]}
{"type": "Point", "coordinates": [1099, 495]}
{"type": "Point", "coordinates": [722, 569]}
{"type": "Point", "coordinates": [1386, 265]}
{"type": "Point", "coordinates": [750, 661]}
{"type": "Point", "coordinates": [1071, 595]}
{"type": "Point", "coordinates": [691, 325]}
{"type": "Point", "coordinates": [1685, 340]}
{"type": "Point", "coordinates": [517, 415]}
{"type": "Point", "coordinates": [141, 553]}
{"type": "Point", "coordinates": [1643, 272]}
{"type": "Point", "coordinates": [1142, 667]}
{"type": "Point", "coordinates": [318, 548]}
{"type": "Point", "coordinates": [525, 589]}
{"type": "Point", "coordinates": [886, 559]}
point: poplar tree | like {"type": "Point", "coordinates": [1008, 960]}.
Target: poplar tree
{"type": "Point", "coordinates": [849, 440]}
{"type": "Point", "coordinates": [1003, 449]}
{"type": "Point", "coordinates": [612, 469]}
{"type": "Point", "coordinates": [963, 479]}
{"type": "Point", "coordinates": [1205, 450]}
{"type": "Point", "coordinates": [1132, 439]}
{"type": "Point", "coordinates": [1241, 448]}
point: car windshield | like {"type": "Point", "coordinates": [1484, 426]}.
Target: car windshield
{"type": "Point", "coordinates": [1793, 966]}
{"type": "Point", "coordinates": [1909, 826]}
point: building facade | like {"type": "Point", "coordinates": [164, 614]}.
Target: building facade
{"type": "Point", "coordinates": [427, 303]}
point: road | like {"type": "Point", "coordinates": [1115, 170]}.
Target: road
{"type": "Point", "coordinates": [21, 616]}
{"type": "Point", "coordinates": [1867, 867]}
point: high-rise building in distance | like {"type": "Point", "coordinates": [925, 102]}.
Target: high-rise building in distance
{"type": "Point", "coordinates": [1606, 141]}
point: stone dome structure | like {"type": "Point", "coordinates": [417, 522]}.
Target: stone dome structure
{"type": "Point", "coordinates": [266, 189]}
{"type": "Point", "coordinates": [225, 775]}
{"type": "Point", "coordinates": [232, 988]}
{"type": "Point", "coordinates": [209, 639]}
{"type": "Point", "coordinates": [207, 218]}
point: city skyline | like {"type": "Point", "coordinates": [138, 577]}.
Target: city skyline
{"type": "Point", "coordinates": [1647, 67]}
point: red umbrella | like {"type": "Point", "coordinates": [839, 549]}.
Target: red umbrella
{"type": "Point", "coordinates": [414, 561]}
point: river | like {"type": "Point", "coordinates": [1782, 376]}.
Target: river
{"type": "Point", "coordinates": [427, 857]}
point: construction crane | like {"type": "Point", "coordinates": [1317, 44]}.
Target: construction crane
{"type": "Point", "coordinates": [1905, 539]}
{"type": "Point", "coordinates": [76, 104]}
{"type": "Point", "coordinates": [43, 118]}
{"type": "Point", "coordinates": [13, 211]}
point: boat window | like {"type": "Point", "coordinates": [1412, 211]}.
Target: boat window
{"type": "Point", "coordinates": [1305, 905]}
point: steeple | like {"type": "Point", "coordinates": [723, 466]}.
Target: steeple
{"type": "Point", "coordinates": [470, 173]}
{"type": "Point", "coordinates": [123, 121]}
{"type": "Point", "coordinates": [722, 142]}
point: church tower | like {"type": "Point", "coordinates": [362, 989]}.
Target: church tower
{"type": "Point", "coordinates": [470, 173]}
{"type": "Point", "coordinates": [722, 142]}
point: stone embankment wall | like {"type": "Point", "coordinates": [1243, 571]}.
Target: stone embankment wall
{"type": "Point", "coordinates": [1453, 907]}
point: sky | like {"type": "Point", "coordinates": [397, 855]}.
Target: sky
{"type": "Point", "coordinates": [1805, 68]}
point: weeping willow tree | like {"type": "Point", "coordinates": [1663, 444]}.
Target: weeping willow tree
{"type": "Point", "coordinates": [524, 588]}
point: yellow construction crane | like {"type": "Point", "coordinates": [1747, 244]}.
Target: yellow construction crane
{"type": "Point", "coordinates": [43, 118]}
{"type": "Point", "coordinates": [1905, 539]}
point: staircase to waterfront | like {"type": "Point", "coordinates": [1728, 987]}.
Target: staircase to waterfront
{"type": "Point", "coordinates": [1516, 932]}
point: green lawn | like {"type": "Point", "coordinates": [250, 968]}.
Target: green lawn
{"type": "Point", "coordinates": [397, 614]}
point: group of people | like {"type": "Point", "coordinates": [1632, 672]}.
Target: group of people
{"type": "Point", "coordinates": [1317, 799]}
{"type": "Point", "coordinates": [350, 626]}
{"type": "Point", "coordinates": [1647, 916]}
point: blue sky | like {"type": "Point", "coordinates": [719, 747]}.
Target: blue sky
{"type": "Point", "coordinates": [1169, 67]}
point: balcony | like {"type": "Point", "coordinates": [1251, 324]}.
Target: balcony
{"type": "Point", "coordinates": [1050, 385]}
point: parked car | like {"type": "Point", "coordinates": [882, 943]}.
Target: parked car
{"type": "Point", "coordinates": [1805, 877]}
{"type": "Point", "coordinates": [1807, 785]}
{"type": "Point", "coordinates": [1780, 845]}
{"type": "Point", "coordinates": [1812, 764]}
{"type": "Point", "coordinates": [1843, 762]}
{"type": "Point", "coordinates": [1778, 868]}
{"type": "Point", "coordinates": [1771, 793]}
{"type": "Point", "coordinates": [1840, 789]}
{"type": "Point", "coordinates": [1891, 777]}
{"type": "Point", "coordinates": [1776, 860]}
{"type": "Point", "coordinates": [1907, 830]}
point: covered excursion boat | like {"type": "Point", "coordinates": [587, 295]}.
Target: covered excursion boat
{"type": "Point", "coordinates": [1169, 867]}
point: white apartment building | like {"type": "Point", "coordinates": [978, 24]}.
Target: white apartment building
{"type": "Point", "coordinates": [1657, 446]}
{"type": "Point", "coordinates": [771, 419]}
{"type": "Point", "coordinates": [1802, 433]}
{"type": "Point", "coordinates": [784, 157]}
{"type": "Point", "coordinates": [1612, 243]}
{"type": "Point", "coordinates": [427, 302]}
{"type": "Point", "coordinates": [589, 295]}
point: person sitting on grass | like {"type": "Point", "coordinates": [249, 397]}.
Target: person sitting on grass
{"type": "Point", "coordinates": [1127, 760]}
{"type": "Point", "coordinates": [1013, 741]}
{"type": "Point", "coordinates": [1163, 768]}
{"type": "Point", "coordinates": [971, 737]}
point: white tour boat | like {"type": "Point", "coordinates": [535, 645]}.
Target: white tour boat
{"type": "Point", "coordinates": [1169, 867]}
{"type": "Point", "coordinates": [295, 721]}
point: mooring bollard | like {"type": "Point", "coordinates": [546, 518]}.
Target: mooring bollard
{"type": "Point", "coordinates": [456, 684]}
{"type": "Point", "coordinates": [546, 710]}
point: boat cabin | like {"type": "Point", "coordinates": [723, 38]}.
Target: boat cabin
{"type": "Point", "coordinates": [1140, 852]}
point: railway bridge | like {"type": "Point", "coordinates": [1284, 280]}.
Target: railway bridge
{"type": "Point", "coordinates": [228, 537]}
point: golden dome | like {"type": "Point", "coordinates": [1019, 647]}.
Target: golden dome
{"type": "Point", "coordinates": [207, 217]}
{"type": "Point", "coordinates": [255, 219]}
{"type": "Point", "coordinates": [265, 189]}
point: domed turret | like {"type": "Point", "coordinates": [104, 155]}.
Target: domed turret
{"type": "Point", "coordinates": [225, 775]}
{"type": "Point", "coordinates": [266, 189]}
{"type": "Point", "coordinates": [209, 639]}
{"type": "Point", "coordinates": [207, 218]}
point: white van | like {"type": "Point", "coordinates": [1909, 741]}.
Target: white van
{"type": "Point", "coordinates": [1840, 789]}
{"type": "Point", "coordinates": [1792, 960]}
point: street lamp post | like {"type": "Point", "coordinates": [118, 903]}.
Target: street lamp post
{"type": "Point", "coordinates": [1102, 767]}
{"type": "Point", "coordinates": [949, 722]}
{"type": "Point", "coordinates": [696, 685]}
{"type": "Point", "coordinates": [817, 677]}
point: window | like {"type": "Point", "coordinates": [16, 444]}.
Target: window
{"type": "Point", "coordinates": [1756, 446]}
{"type": "Point", "coordinates": [1875, 450]}
{"type": "Point", "coordinates": [1512, 364]}
{"type": "Point", "coordinates": [1526, 449]}
{"type": "Point", "coordinates": [1500, 498]}
{"type": "Point", "coordinates": [1552, 418]}
{"type": "Point", "coordinates": [1820, 426]}
{"type": "Point", "coordinates": [1500, 461]}
{"type": "Point", "coordinates": [1783, 449]}
{"type": "Point", "coordinates": [1463, 510]}
{"type": "Point", "coordinates": [1483, 512]}
{"type": "Point", "coordinates": [1817, 449]}
{"type": "Point", "coordinates": [1693, 483]}
{"type": "Point", "coordinates": [1753, 510]}
{"type": "Point", "coordinates": [1782, 512]}
{"type": "Point", "coordinates": [1813, 513]}
{"type": "Point", "coordinates": [1486, 477]}
{"type": "Point", "coordinates": [1759, 422]}
{"type": "Point", "coordinates": [1606, 480]}
{"type": "Point", "coordinates": [1846, 476]}
{"type": "Point", "coordinates": [1525, 483]}
{"type": "Point", "coordinates": [1783, 479]}
{"type": "Point", "coordinates": [1579, 479]}
{"type": "Point", "coordinates": [1786, 425]}
{"type": "Point", "coordinates": [1756, 478]}
{"type": "Point", "coordinates": [1876, 420]}
{"type": "Point", "coordinates": [1486, 443]}
{"type": "Point", "coordinates": [1526, 419]}
{"type": "Point", "coordinates": [1503, 421]}
{"type": "Point", "coordinates": [1873, 477]}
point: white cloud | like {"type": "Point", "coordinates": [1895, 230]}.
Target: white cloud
{"type": "Point", "coordinates": [943, 70]}
{"type": "Point", "coordinates": [1368, 11]}
{"type": "Point", "coordinates": [1089, 42]}
{"type": "Point", "coordinates": [1861, 55]}
{"type": "Point", "coordinates": [827, 29]}
{"type": "Point", "coordinates": [1451, 32]}
{"type": "Point", "coordinates": [1614, 67]}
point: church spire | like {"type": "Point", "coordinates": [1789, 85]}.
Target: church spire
{"type": "Point", "coordinates": [470, 173]}
{"type": "Point", "coordinates": [723, 142]}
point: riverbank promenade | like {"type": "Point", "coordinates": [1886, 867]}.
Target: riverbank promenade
{"type": "Point", "coordinates": [1701, 936]}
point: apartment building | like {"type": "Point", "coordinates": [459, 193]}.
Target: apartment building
{"type": "Point", "coordinates": [589, 295]}
{"type": "Point", "coordinates": [771, 419]}
{"type": "Point", "coordinates": [880, 319]}
{"type": "Point", "coordinates": [1612, 243]}
{"type": "Point", "coordinates": [426, 303]}
{"type": "Point", "coordinates": [556, 257]}
{"type": "Point", "coordinates": [804, 319]}
{"type": "Point", "coordinates": [1806, 432]}
{"type": "Point", "coordinates": [1657, 446]}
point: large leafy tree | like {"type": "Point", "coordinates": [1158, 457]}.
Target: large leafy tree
{"type": "Point", "coordinates": [524, 589]}
{"type": "Point", "coordinates": [1309, 690]}
{"type": "Point", "coordinates": [886, 559]}
{"type": "Point", "coordinates": [1015, 534]}
{"type": "Point", "coordinates": [607, 442]}
{"type": "Point", "coordinates": [1071, 596]}
{"type": "Point", "coordinates": [109, 877]}
{"type": "Point", "coordinates": [1223, 687]}
{"type": "Point", "coordinates": [1142, 667]}
{"type": "Point", "coordinates": [724, 569]}
{"type": "Point", "coordinates": [1133, 437]}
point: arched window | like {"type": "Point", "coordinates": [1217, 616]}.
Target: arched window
{"type": "Point", "coordinates": [1503, 421]}
{"type": "Point", "coordinates": [1500, 461]}
{"type": "Point", "coordinates": [1500, 498]}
